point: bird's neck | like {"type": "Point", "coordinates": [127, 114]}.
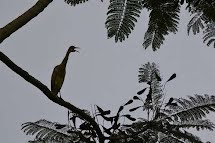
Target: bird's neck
{"type": "Point", "coordinates": [64, 62]}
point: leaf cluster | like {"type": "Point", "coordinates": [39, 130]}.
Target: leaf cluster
{"type": "Point", "coordinates": [163, 122]}
{"type": "Point", "coordinates": [122, 16]}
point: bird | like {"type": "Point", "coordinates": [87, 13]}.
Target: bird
{"type": "Point", "coordinates": [59, 72]}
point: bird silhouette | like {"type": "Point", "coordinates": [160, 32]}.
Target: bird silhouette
{"type": "Point", "coordinates": [59, 72]}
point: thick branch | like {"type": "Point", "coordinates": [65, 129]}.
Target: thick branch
{"type": "Point", "coordinates": [49, 94]}
{"type": "Point", "coordinates": [20, 21]}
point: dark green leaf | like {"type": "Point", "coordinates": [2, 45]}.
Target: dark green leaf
{"type": "Point", "coordinates": [127, 125]}
{"type": "Point", "coordinates": [107, 112]}
{"type": "Point", "coordinates": [120, 109]}
{"type": "Point", "coordinates": [100, 109]}
{"type": "Point", "coordinates": [209, 34]}
{"type": "Point", "coordinates": [121, 19]}
{"type": "Point", "coordinates": [163, 19]}
{"type": "Point", "coordinates": [133, 109]}
{"type": "Point", "coordinates": [129, 117]}
{"type": "Point", "coordinates": [174, 104]}
{"type": "Point", "coordinates": [149, 82]}
{"type": "Point", "coordinates": [129, 102]}
{"type": "Point", "coordinates": [116, 126]}
{"type": "Point", "coordinates": [85, 126]}
{"type": "Point", "coordinates": [102, 112]}
{"type": "Point", "coordinates": [141, 91]}
{"type": "Point", "coordinates": [157, 77]}
{"type": "Point", "coordinates": [172, 77]}
{"type": "Point", "coordinates": [136, 98]}
{"type": "Point", "coordinates": [70, 131]}
{"type": "Point", "coordinates": [110, 119]}
{"type": "Point", "coordinates": [170, 102]}
{"type": "Point", "coordinates": [149, 95]}
{"type": "Point", "coordinates": [106, 130]}
{"type": "Point", "coordinates": [59, 126]}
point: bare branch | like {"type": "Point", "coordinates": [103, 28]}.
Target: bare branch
{"type": "Point", "coordinates": [23, 19]}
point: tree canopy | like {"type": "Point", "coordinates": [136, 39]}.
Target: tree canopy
{"type": "Point", "coordinates": [164, 120]}
{"type": "Point", "coordinates": [163, 19]}
{"type": "Point", "coordinates": [122, 16]}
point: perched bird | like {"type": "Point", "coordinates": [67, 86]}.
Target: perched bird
{"type": "Point", "coordinates": [59, 72]}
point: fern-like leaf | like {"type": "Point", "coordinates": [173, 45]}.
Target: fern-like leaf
{"type": "Point", "coordinates": [207, 7]}
{"type": "Point", "coordinates": [198, 124]}
{"type": "Point", "coordinates": [186, 136]}
{"type": "Point", "coordinates": [193, 109]}
{"type": "Point", "coordinates": [207, 10]}
{"type": "Point", "coordinates": [164, 129]}
{"type": "Point", "coordinates": [163, 20]}
{"type": "Point", "coordinates": [147, 73]}
{"type": "Point", "coordinates": [42, 141]}
{"type": "Point", "coordinates": [163, 138]}
{"type": "Point", "coordinates": [121, 18]}
{"type": "Point", "coordinates": [50, 131]}
{"type": "Point", "coordinates": [209, 34]}
{"type": "Point", "coordinates": [177, 136]}
{"type": "Point", "coordinates": [196, 23]}
{"type": "Point", "coordinates": [75, 2]}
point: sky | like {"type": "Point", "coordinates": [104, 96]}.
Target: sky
{"type": "Point", "coordinates": [104, 73]}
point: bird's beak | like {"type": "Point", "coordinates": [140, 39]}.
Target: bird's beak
{"type": "Point", "coordinates": [77, 50]}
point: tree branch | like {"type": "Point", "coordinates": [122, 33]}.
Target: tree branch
{"type": "Point", "coordinates": [20, 21]}
{"type": "Point", "coordinates": [49, 94]}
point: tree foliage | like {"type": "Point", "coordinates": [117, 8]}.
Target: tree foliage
{"type": "Point", "coordinates": [122, 16]}
{"type": "Point", "coordinates": [163, 121]}
{"type": "Point", "coordinates": [163, 19]}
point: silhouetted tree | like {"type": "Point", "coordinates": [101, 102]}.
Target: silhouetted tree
{"type": "Point", "coordinates": [163, 19]}
{"type": "Point", "coordinates": [122, 16]}
{"type": "Point", "coordinates": [163, 122]}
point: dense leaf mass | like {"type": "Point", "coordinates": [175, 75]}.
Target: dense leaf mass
{"type": "Point", "coordinates": [163, 20]}
{"type": "Point", "coordinates": [196, 23]}
{"type": "Point", "coordinates": [209, 34]}
{"type": "Point", "coordinates": [122, 15]}
{"type": "Point", "coordinates": [148, 73]}
{"type": "Point", "coordinates": [160, 122]}
{"type": "Point", "coordinates": [193, 109]}
{"type": "Point", "coordinates": [49, 131]}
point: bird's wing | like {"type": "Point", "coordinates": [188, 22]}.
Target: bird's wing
{"type": "Point", "coordinates": [58, 76]}
{"type": "Point", "coordinates": [53, 78]}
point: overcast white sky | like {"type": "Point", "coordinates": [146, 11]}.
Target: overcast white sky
{"type": "Point", "coordinates": [103, 73]}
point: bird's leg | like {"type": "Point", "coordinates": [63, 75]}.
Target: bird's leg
{"type": "Point", "coordinates": [68, 117]}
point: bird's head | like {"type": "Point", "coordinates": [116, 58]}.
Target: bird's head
{"type": "Point", "coordinates": [73, 49]}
